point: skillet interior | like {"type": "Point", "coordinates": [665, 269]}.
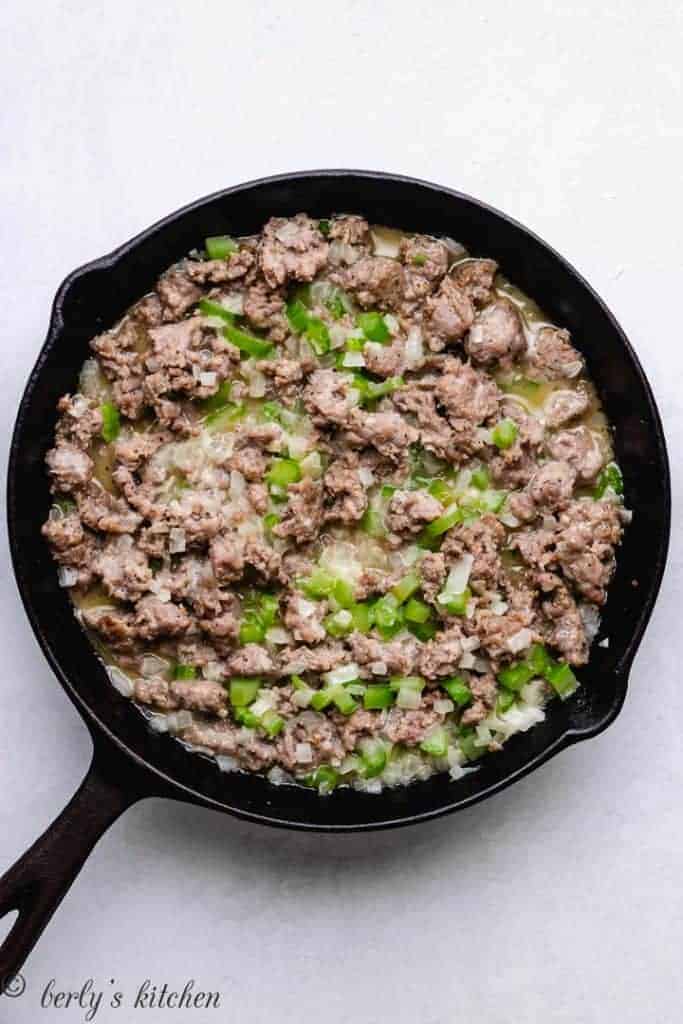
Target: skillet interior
{"type": "Point", "coordinates": [94, 297]}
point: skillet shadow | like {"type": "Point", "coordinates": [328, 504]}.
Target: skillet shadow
{"type": "Point", "coordinates": [213, 842]}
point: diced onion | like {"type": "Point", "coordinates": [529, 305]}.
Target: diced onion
{"type": "Point", "coordinates": [353, 359]}
{"type": "Point", "coordinates": [366, 476]}
{"type": "Point", "coordinates": [443, 707]}
{"type": "Point", "coordinates": [414, 349]}
{"type": "Point", "coordinates": [499, 607]}
{"type": "Point", "coordinates": [604, 642]}
{"type": "Point", "coordinates": [120, 681]}
{"type": "Point", "coordinates": [158, 723]}
{"type": "Point", "coordinates": [312, 466]}
{"type": "Point", "coordinates": [459, 574]}
{"type": "Point", "coordinates": [591, 620]}
{"type": "Point", "coordinates": [343, 674]}
{"type": "Point", "coordinates": [467, 660]}
{"type": "Point", "coordinates": [302, 698]}
{"type": "Point", "coordinates": [67, 576]}
{"type": "Point", "coordinates": [233, 302]}
{"type": "Point", "coordinates": [153, 666]}
{"type": "Point", "coordinates": [391, 322]}
{"type": "Point", "coordinates": [238, 485]}
{"type": "Point", "coordinates": [378, 668]}
{"type": "Point", "coordinates": [409, 698]}
{"type": "Point", "coordinates": [176, 541]}
{"type": "Point", "coordinates": [386, 242]}
{"type": "Point", "coordinates": [278, 635]}
{"type": "Point", "coordinates": [303, 753]}
{"type": "Point", "coordinates": [278, 776]}
{"type": "Point", "coordinates": [227, 764]}
{"type": "Point", "coordinates": [207, 378]}
{"type": "Point", "coordinates": [519, 641]}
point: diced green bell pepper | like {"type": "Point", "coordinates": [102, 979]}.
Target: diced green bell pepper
{"type": "Point", "coordinates": [504, 434]}
{"type": "Point", "coordinates": [406, 587]}
{"type": "Point", "coordinates": [210, 308]}
{"type": "Point", "coordinates": [181, 671]}
{"type": "Point", "coordinates": [378, 696]}
{"type": "Point", "coordinates": [249, 343]}
{"type": "Point", "coordinates": [373, 327]}
{"type": "Point", "coordinates": [373, 755]}
{"type": "Point", "coordinates": [458, 690]}
{"type": "Point", "coordinates": [220, 247]}
{"type": "Point", "coordinates": [111, 422]}
{"type": "Point", "coordinates": [436, 743]}
{"type": "Point", "coordinates": [243, 691]}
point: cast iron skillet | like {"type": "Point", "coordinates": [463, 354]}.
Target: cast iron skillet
{"type": "Point", "coordinates": [130, 762]}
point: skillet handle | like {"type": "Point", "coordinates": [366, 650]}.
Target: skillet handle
{"type": "Point", "coordinates": [37, 883]}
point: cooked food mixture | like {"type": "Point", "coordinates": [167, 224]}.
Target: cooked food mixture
{"type": "Point", "coordinates": [336, 503]}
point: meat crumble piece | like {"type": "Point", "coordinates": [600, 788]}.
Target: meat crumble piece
{"type": "Point", "coordinates": [466, 393]}
{"type": "Point", "coordinates": [304, 512]}
{"type": "Point", "coordinates": [581, 449]}
{"type": "Point", "coordinates": [550, 488]}
{"type": "Point", "coordinates": [79, 422]}
{"type": "Point", "coordinates": [236, 266]}
{"type": "Point", "coordinates": [410, 511]}
{"type": "Point", "coordinates": [440, 656]}
{"type": "Point", "coordinates": [396, 657]}
{"type": "Point", "coordinates": [425, 260]}
{"type": "Point", "coordinates": [69, 467]}
{"type": "Point", "coordinates": [476, 277]}
{"type": "Point", "coordinates": [376, 282]}
{"type": "Point", "coordinates": [484, 691]}
{"type": "Point", "coordinates": [178, 293]}
{"type": "Point", "coordinates": [553, 356]}
{"type": "Point", "coordinates": [303, 619]}
{"type": "Point", "coordinates": [344, 489]}
{"type": "Point", "coordinates": [564, 406]}
{"type": "Point", "coordinates": [155, 618]}
{"type": "Point", "coordinates": [588, 532]}
{"type": "Point", "coordinates": [448, 315]}
{"type": "Point", "coordinates": [497, 335]}
{"type": "Point", "coordinates": [386, 431]}
{"type": "Point", "coordinates": [328, 398]}
{"type": "Point", "coordinates": [264, 308]}
{"type": "Point", "coordinates": [123, 568]}
{"type": "Point", "coordinates": [565, 631]}
{"type": "Point", "coordinates": [291, 249]}
{"type": "Point", "coordinates": [484, 540]}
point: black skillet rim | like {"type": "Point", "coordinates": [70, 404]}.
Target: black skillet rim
{"type": "Point", "coordinates": [171, 786]}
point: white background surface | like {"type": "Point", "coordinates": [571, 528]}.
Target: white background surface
{"type": "Point", "coordinates": [559, 900]}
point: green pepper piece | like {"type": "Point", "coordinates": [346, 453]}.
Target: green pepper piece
{"type": "Point", "coordinates": [515, 676]}
{"type": "Point", "coordinates": [111, 422]}
{"type": "Point", "coordinates": [455, 604]}
{"type": "Point", "coordinates": [297, 314]}
{"type": "Point", "coordinates": [243, 716]}
{"type": "Point", "coordinates": [343, 700]}
{"type": "Point", "coordinates": [372, 522]}
{"type": "Point", "coordinates": [324, 227]}
{"type": "Point", "coordinates": [436, 744]}
{"type": "Point", "coordinates": [504, 434]}
{"type": "Point", "coordinates": [252, 630]}
{"type": "Point", "coordinates": [373, 327]}
{"type": "Point", "coordinates": [318, 584]}
{"type": "Point", "coordinates": [417, 611]}
{"type": "Point", "coordinates": [283, 472]}
{"type": "Point", "coordinates": [480, 478]}
{"type": "Point", "coordinates": [220, 400]}
{"type": "Point", "coordinates": [538, 659]}
{"type": "Point", "coordinates": [272, 724]}
{"type": "Point", "coordinates": [253, 346]}
{"type": "Point", "coordinates": [504, 701]}
{"type": "Point", "coordinates": [243, 691]}
{"type": "Point", "coordinates": [377, 697]}
{"type": "Point", "coordinates": [321, 699]}
{"type": "Point", "coordinates": [406, 587]}
{"type": "Point", "coordinates": [269, 521]}
{"type": "Point", "coordinates": [424, 631]}
{"type": "Point", "coordinates": [373, 754]}
{"type": "Point", "coordinates": [325, 778]}
{"type": "Point", "coordinates": [210, 308]}
{"type": "Point", "coordinates": [318, 336]}
{"type": "Point", "coordinates": [562, 680]}
{"type": "Point", "coordinates": [220, 247]}
{"type": "Point", "coordinates": [419, 259]}
{"type": "Point", "coordinates": [385, 611]}
{"type": "Point", "coordinates": [458, 690]}
{"type": "Point", "coordinates": [363, 616]}
{"type": "Point", "coordinates": [225, 417]}
{"type": "Point", "coordinates": [181, 671]}
{"type": "Point", "coordinates": [450, 518]}
{"type": "Point", "coordinates": [339, 624]}
{"type": "Point", "coordinates": [440, 490]}
{"type": "Point", "coordinates": [611, 478]}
